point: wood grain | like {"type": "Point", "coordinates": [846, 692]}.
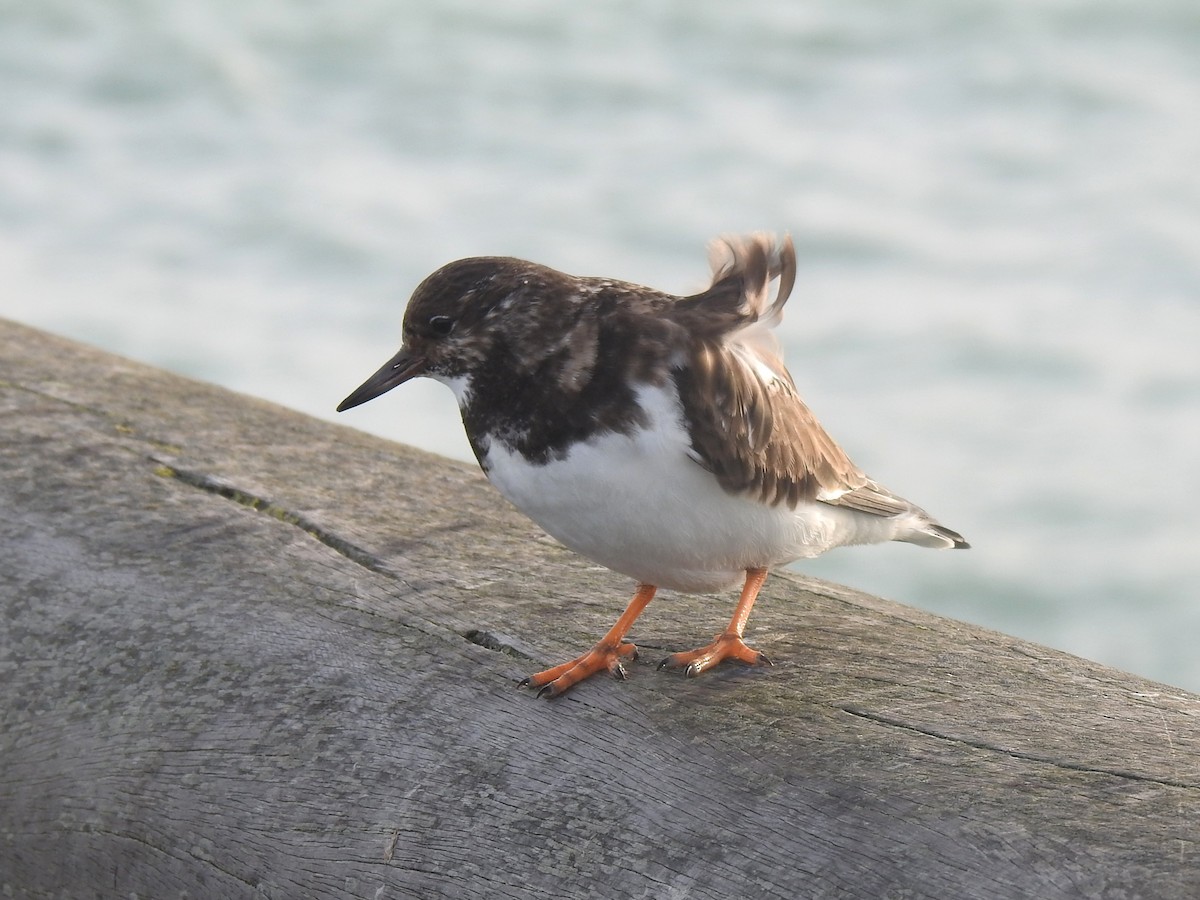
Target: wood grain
{"type": "Point", "coordinates": [245, 653]}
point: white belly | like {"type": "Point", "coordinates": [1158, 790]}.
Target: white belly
{"type": "Point", "coordinates": [639, 505]}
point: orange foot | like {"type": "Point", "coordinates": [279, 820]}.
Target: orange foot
{"type": "Point", "coordinates": [728, 645]}
{"type": "Point", "coordinates": [560, 679]}
{"type": "Point", "coordinates": [608, 653]}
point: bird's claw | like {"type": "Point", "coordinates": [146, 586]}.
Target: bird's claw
{"type": "Point", "coordinates": [727, 645]}
{"type": "Point", "coordinates": [558, 680]}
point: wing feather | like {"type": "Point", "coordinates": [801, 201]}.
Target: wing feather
{"type": "Point", "coordinates": [747, 422]}
{"type": "Point", "coordinates": [745, 418]}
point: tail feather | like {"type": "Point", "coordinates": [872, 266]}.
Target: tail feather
{"type": "Point", "coordinates": [754, 261]}
{"type": "Point", "coordinates": [738, 308]}
{"type": "Point", "coordinates": [939, 537]}
{"type": "Point", "coordinates": [914, 525]}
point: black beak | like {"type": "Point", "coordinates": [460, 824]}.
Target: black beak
{"type": "Point", "coordinates": [397, 370]}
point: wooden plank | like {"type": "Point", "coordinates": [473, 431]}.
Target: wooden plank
{"type": "Point", "coordinates": [247, 653]}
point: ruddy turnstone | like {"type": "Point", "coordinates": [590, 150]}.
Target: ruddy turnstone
{"type": "Point", "coordinates": [660, 436]}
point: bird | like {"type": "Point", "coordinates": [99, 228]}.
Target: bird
{"type": "Point", "coordinates": [658, 435]}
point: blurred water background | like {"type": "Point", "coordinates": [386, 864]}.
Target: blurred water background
{"type": "Point", "coordinates": [996, 206]}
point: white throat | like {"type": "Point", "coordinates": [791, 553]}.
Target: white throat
{"type": "Point", "coordinates": [460, 384]}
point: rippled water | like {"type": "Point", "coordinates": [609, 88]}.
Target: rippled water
{"type": "Point", "coordinates": [996, 205]}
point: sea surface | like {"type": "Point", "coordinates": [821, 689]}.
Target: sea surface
{"type": "Point", "coordinates": [996, 206]}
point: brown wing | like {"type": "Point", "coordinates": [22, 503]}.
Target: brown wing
{"type": "Point", "coordinates": [874, 499]}
{"type": "Point", "coordinates": [750, 428]}
{"type": "Point", "coordinates": [747, 423]}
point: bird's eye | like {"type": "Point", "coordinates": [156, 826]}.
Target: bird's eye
{"type": "Point", "coordinates": [441, 325]}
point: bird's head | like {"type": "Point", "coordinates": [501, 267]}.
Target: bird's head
{"type": "Point", "coordinates": [465, 313]}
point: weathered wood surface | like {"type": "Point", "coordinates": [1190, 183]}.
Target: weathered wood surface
{"type": "Point", "coordinates": [246, 653]}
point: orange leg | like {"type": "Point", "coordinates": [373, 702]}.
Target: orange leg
{"type": "Point", "coordinates": [728, 644]}
{"type": "Point", "coordinates": [608, 653]}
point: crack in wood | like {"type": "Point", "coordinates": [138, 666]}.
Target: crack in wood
{"type": "Point", "coordinates": [354, 553]}
{"type": "Point", "coordinates": [1009, 751]}
{"type": "Point", "coordinates": [212, 485]}
{"type": "Point", "coordinates": [490, 641]}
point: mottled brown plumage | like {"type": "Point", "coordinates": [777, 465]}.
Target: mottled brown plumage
{"type": "Point", "coordinates": [747, 422]}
